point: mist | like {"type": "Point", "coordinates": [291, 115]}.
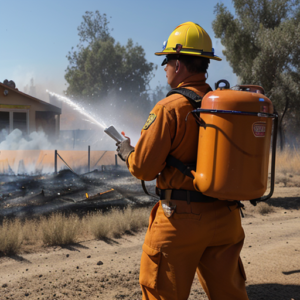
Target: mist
{"type": "Point", "coordinates": [16, 141]}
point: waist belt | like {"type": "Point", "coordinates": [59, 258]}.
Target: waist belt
{"type": "Point", "coordinates": [185, 195]}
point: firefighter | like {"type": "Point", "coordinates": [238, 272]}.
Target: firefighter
{"type": "Point", "coordinates": [188, 232]}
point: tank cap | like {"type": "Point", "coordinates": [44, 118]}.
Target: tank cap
{"type": "Point", "coordinates": [217, 84]}
{"type": "Point", "coordinates": [249, 88]}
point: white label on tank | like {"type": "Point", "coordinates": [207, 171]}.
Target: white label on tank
{"type": "Point", "coordinates": [259, 129]}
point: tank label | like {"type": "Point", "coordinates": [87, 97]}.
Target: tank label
{"type": "Point", "coordinates": [264, 109]}
{"type": "Point", "coordinates": [259, 129]}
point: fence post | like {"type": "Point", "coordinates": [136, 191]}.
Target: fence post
{"type": "Point", "coordinates": [116, 160]}
{"type": "Point", "coordinates": [89, 158]}
{"type": "Point", "coordinates": [55, 161]}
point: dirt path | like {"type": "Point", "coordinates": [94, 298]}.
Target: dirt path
{"type": "Point", "coordinates": [109, 269]}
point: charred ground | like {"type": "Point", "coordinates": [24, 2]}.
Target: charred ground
{"type": "Point", "coordinates": [67, 192]}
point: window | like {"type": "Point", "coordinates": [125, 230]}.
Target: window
{"type": "Point", "coordinates": [20, 121]}
{"type": "Point", "coordinates": [4, 120]}
{"type": "Point", "coordinates": [12, 119]}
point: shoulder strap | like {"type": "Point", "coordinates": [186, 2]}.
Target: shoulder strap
{"type": "Point", "coordinates": [195, 101]}
{"type": "Point", "coordinates": [193, 97]}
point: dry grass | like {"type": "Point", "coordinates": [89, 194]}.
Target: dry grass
{"type": "Point", "coordinates": [58, 229]}
{"type": "Point", "coordinates": [264, 208]}
{"type": "Point", "coordinates": [31, 232]}
{"type": "Point", "coordinates": [288, 168]}
{"type": "Point", "coordinates": [10, 237]}
{"type": "Point", "coordinates": [117, 222]}
{"type": "Point", "coordinates": [100, 225]}
{"type": "Point", "coordinates": [288, 162]}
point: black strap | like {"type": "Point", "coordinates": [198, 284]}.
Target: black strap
{"type": "Point", "coordinates": [189, 196]}
{"type": "Point", "coordinates": [176, 163]}
{"type": "Point", "coordinates": [193, 97]}
{"type": "Point", "coordinates": [195, 100]}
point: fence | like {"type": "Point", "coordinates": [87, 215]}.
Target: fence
{"type": "Point", "coordinates": [43, 161]}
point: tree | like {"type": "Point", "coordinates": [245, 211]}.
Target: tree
{"type": "Point", "coordinates": [102, 69]}
{"type": "Point", "coordinates": [262, 47]}
{"type": "Point", "coordinates": [160, 93]}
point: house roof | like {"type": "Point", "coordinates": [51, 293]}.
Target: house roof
{"type": "Point", "coordinates": [50, 106]}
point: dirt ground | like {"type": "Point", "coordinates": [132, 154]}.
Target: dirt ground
{"type": "Point", "coordinates": [109, 269]}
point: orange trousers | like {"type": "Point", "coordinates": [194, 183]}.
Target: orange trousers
{"type": "Point", "coordinates": [199, 237]}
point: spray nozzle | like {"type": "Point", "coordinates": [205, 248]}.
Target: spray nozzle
{"type": "Point", "coordinates": [114, 134]}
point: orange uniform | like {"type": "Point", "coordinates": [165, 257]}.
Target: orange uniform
{"type": "Point", "coordinates": [199, 237]}
{"type": "Point", "coordinates": [170, 133]}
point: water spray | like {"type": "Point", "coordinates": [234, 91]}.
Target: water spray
{"type": "Point", "coordinates": [78, 108]}
{"type": "Point", "coordinates": [111, 130]}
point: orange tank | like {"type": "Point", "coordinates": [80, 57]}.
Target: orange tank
{"type": "Point", "coordinates": [234, 146]}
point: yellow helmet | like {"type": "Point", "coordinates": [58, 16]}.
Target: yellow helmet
{"type": "Point", "coordinates": [190, 39]}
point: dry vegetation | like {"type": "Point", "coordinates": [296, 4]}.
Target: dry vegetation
{"type": "Point", "coordinates": [288, 168]}
{"type": "Point", "coordinates": [117, 222]}
{"type": "Point", "coordinates": [264, 208]}
{"type": "Point", "coordinates": [10, 236]}
{"type": "Point", "coordinates": [58, 229]}
{"type": "Point", "coordinates": [288, 162]}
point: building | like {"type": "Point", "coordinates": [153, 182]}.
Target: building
{"type": "Point", "coordinates": [27, 113]}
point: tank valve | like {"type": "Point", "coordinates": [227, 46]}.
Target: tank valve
{"type": "Point", "coordinates": [227, 84]}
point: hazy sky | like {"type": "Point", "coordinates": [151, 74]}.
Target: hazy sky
{"type": "Point", "coordinates": [36, 35]}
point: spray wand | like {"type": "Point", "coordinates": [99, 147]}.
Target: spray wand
{"type": "Point", "coordinates": [114, 134]}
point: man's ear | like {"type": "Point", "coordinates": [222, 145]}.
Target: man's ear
{"type": "Point", "coordinates": [177, 66]}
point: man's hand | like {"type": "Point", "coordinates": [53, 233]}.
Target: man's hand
{"type": "Point", "coordinates": [124, 149]}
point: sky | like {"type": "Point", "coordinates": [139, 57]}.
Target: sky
{"type": "Point", "coordinates": [36, 35]}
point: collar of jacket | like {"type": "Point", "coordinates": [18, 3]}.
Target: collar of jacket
{"type": "Point", "coordinates": [194, 80]}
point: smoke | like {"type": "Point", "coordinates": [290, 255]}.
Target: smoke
{"type": "Point", "coordinates": [16, 141]}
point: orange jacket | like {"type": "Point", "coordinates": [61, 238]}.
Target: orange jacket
{"type": "Point", "coordinates": [169, 133]}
